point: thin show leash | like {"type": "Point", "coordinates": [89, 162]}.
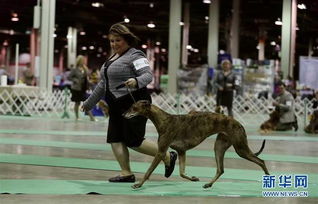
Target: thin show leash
{"type": "Point", "coordinates": [128, 89]}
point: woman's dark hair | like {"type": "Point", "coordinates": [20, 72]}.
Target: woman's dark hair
{"type": "Point", "coordinates": [123, 31]}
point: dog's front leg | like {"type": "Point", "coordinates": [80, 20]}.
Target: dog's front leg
{"type": "Point", "coordinates": [182, 162]}
{"type": "Point", "coordinates": [158, 157]}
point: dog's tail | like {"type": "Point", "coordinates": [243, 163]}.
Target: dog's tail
{"type": "Point", "coordinates": [260, 151]}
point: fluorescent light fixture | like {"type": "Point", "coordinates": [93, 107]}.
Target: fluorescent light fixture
{"type": "Point", "coordinates": [151, 25]}
{"type": "Point", "coordinates": [301, 6]}
{"type": "Point", "coordinates": [15, 19]}
{"type": "Point", "coordinates": [278, 22]}
{"type": "Point", "coordinates": [97, 4]}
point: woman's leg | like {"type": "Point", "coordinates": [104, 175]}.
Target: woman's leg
{"type": "Point", "coordinates": [151, 148]}
{"type": "Point", "coordinates": [91, 116]}
{"type": "Point", "coordinates": [76, 108]}
{"type": "Point", "coordinates": [122, 155]}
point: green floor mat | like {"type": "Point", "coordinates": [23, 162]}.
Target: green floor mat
{"type": "Point", "coordinates": [140, 167]}
{"type": "Point", "coordinates": [150, 188]}
{"type": "Point", "coordinates": [196, 153]}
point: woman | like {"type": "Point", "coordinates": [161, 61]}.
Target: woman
{"type": "Point", "coordinates": [78, 77]}
{"type": "Point", "coordinates": [130, 67]}
{"type": "Point", "coordinates": [225, 84]}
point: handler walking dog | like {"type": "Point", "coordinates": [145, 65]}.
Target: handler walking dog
{"type": "Point", "coordinates": [183, 132]}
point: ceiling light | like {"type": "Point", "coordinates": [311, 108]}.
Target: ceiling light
{"type": "Point", "coordinates": [273, 43]}
{"type": "Point", "coordinates": [189, 47]}
{"type": "Point", "coordinates": [158, 43]}
{"type": "Point", "coordinates": [163, 50]}
{"type": "Point", "coordinates": [181, 24]}
{"type": "Point", "coordinates": [206, 1]}
{"type": "Point", "coordinates": [54, 35]}
{"type": "Point", "coordinates": [97, 4]}
{"type": "Point", "coordinates": [278, 22]}
{"type": "Point", "coordinates": [84, 48]}
{"type": "Point", "coordinates": [126, 20]}
{"type": "Point", "coordinates": [91, 47]}
{"type": "Point", "coordinates": [144, 46]}
{"type": "Point", "coordinates": [196, 50]}
{"type": "Point", "coordinates": [301, 6]}
{"type": "Point", "coordinates": [82, 33]}
{"type": "Point", "coordinates": [14, 17]}
{"type": "Point", "coordinates": [151, 25]}
{"type": "Point", "coordinates": [151, 5]}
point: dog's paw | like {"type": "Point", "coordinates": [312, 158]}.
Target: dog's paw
{"type": "Point", "coordinates": [193, 178]}
{"type": "Point", "coordinates": [208, 185]}
{"type": "Point", "coordinates": [137, 185]}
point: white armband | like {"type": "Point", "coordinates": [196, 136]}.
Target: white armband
{"type": "Point", "coordinates": [140, 63]}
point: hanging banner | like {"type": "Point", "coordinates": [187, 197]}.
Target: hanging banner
{"type": "Point", "coordinates": [308, 72]}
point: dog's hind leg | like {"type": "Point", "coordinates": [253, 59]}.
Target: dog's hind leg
{"type": "Point", "coordinates": [243, 151]}
{"type": "Point", "coordinates": [182, 163]}
{"type": "Point", "coordinates": [220, 147]}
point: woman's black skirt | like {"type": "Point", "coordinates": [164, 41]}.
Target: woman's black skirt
{"type": "Point", "coordinates": [131, 132]}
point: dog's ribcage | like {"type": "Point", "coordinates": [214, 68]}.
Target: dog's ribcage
{"type": "Point", "coordinates": [190, 130]}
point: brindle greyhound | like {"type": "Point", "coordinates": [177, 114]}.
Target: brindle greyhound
{"type": "Point", "coordinates": [183, 132]}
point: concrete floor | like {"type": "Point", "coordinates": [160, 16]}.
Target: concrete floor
{"type": "Point", "coordinates": [46, 130]}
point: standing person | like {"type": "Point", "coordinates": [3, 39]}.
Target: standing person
{"type": "Point", "coordinates": [79, 78]}
{"type": "Point", "coordinates": [28, 76]}
{"type": "Point", "coordinates": [225, 84]}
{"type": "Point", "coordinates": [129, 66]}
{"type": "Point", "coordinates": [285, 103]}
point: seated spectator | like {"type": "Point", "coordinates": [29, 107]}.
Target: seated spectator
{"type": "Point", "coordinates": [284, 103]}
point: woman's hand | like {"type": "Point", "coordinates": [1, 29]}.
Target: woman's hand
{"type": "Point", "coordinates": [131, 83]}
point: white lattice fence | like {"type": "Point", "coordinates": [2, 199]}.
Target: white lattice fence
{"type": "Point", "coordinates": [53, 104]}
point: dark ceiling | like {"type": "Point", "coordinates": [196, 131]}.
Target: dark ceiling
{"type": "Point", "coordinates": [96, 21]}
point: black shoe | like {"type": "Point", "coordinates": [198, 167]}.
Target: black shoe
{"type": "Point", "coordinates": [123, 179]}
{"type": "Point", "coordinates": [169, 169]}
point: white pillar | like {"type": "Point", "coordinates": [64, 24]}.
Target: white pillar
{"type": "Point", "coordinates": [174, 44]}
{"type": "Point", "coordinates": [213, 35]}
{"type": "Point", "coordinates": [235, 29]}
{"type": "Point", "coordinates": [185, 39]}
{"type": "Point", "coordinates": [47, 44]}
{"type": "Point", "coordinates": [288, 36]}
{"type": "Point", "coordinates": [261, 43]}
{"type": "Point", "coordinates": [71, 46]}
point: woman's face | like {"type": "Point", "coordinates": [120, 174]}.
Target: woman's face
{"type": "Point", "coordinates": [118, 44]}
{"type": "Point", "coordinates": [226, 66]}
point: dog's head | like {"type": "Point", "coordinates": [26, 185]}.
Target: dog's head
{"type": "Point", "coordinates": [274, 116]}
{"type": "Point", "coordinates": [219, 109]}
{"type": "Point", "coordinates": [141, 107]}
